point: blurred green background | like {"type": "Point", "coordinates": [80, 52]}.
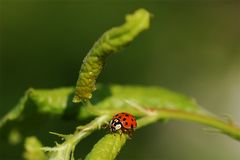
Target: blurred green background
{"type": "Point", "coordinates": [192, 47]}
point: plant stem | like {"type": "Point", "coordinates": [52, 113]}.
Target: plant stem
{"type": "Point", "coordinates": [65, 150]}
{"type": "Point", "coordinates": [89, 128]}
{"type": "Point", "coordinates": [224, 127]}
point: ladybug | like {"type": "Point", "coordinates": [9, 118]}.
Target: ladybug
{"type": "Point", "coordinates": [123, 122]}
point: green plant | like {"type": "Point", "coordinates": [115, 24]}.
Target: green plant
{"type": "Point", "coordinates": [148, 104]}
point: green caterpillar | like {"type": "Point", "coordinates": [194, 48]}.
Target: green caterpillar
{"type": "Point", "coordinates": [110, 42]}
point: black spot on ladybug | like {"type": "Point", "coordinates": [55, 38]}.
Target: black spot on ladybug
{"type": "Point", "coordinates": [119, 117]}
{"type": "Point", "coordinates": [126, 115]}
{"type": "Point", "coordinates": [131, 125]}
{"type": "Point", "coordinates": [126, 123]}
{"type": "Point", "coordinates": [131, 119]}
{"type": "Point", "coordinates": [124, 119]}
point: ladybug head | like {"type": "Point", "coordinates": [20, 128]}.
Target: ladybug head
{"type": "Point", "coordinates": [115, 125]}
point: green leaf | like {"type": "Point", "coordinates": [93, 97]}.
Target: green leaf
{"type": "Point", "coordinates": [107, 148]}
{"type": "Point", "coordinates": [33, 149]}
{"type": "Point", "coordinates": [110, 42]}
{"type": "Point", "coordinates": [52, 101]}
{"type": "Point", "coordinates": [107, 99]}
{"type": "Point", "coordinates": [150, 104]}
{"type": "Point", "coordinates": [117, 98]}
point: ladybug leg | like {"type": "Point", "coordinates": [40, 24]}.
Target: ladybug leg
{"type": "Point", "coordinates": [126, 131]}
{"type": "Point", "coordinates": [121, 132]}
{"type": "Point", "coordinates": [130, 133]}
{"type": "Point", "coordinates": [104, 126]}
{"type": "Point", "coordinates": [109, 131]}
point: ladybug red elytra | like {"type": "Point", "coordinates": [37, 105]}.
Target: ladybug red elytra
{"type": "Point", "coordinates": [124, 122]}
